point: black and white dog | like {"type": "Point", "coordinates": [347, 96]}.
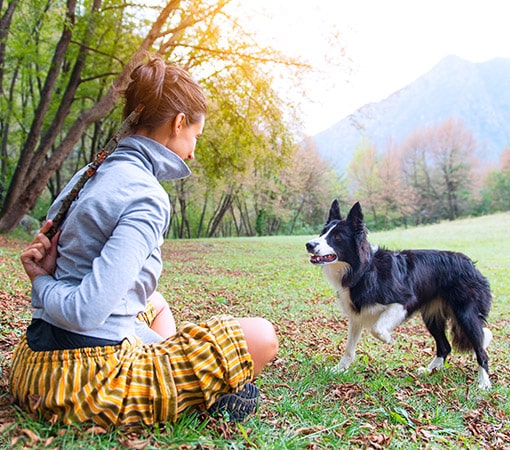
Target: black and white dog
{"type": "Point", "coordinates": [378, 289]}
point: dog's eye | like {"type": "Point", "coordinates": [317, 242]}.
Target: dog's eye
{"type": "Point", "coordinates": [338, 237]}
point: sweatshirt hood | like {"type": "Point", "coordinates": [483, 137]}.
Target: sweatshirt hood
{"type": "Point", "coordinates": [164, 163]}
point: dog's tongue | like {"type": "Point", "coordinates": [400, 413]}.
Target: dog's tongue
{"type": "Point", "coordinates": [318, 259]}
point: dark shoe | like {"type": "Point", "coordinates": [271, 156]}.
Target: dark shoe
{"type": "Point", "coordinates": [237, 406]}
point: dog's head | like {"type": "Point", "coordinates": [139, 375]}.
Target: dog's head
{"type": "Point", "coordinates": [341, 240]}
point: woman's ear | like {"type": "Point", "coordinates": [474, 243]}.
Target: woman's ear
{"type": "Point", "coordinates": [179, 123]}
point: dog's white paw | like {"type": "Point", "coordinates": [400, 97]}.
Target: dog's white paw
{"type": "Point", "coordinates": [342, 366]}
{"type": "Point", "coordinates": [383, 335]}
{"type": "Point", "coordinates": [483, 379]}
{"type": "Point", "coordinates": [436, 364]}
{"type": "Point", "coordinates": [337, 369]}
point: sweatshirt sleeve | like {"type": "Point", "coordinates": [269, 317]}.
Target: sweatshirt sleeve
{"type": "Point", "coordinates": [86, 306]}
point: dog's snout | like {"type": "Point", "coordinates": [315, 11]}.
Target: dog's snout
{"type": "Point", "coordinates": [310, 246]}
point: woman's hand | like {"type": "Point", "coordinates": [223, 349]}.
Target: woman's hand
{"type": "Point", "coordinates": [40, 257]}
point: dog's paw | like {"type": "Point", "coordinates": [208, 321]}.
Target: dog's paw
{"type": "Point", "coordinates": [337, 369]}
{"type": "Point", "coordinates": [342, 366]}
{"type": "Point", "coordinates": [436, 364]}
{"type": "Point", "coordinates": [383, 335]}
{"type": "Point", "coordinates": [483, 379]}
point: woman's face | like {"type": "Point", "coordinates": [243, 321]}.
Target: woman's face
{"type": "Point", "coordinates": [184, 138]}
{"type": "Point", "coordinates": [177, 136]}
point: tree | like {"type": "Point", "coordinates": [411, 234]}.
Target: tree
{"type": "Point", "coordinates": [245, 140]}
{"type": "Point", "coordinates": [454, 148]}
{"type": "Point", "coordinates": [394, 197]}
{"type": "Point", "coordinates": [309, 184]}
{"type": "Point", "coordinates": [365, 180]}
{"type": "Point", "coordinates": [76, 76]}
{"type": "Point", "coordinates": [437, 162]}
{"type": "Point", "coordinates": [496, 189]}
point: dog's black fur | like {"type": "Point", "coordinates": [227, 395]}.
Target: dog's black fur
{"type": "Point", "coordinates": [379, 288]}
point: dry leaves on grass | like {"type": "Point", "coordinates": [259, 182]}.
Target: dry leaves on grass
{"type": "Point", "coordinates": [311, 336]}
{"type": "Point", "coordinates": [13, 320]}
{"type": "Point", "coordinates": [490, 432]}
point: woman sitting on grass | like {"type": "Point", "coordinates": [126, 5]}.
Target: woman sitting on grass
{"type": "Point", "coordinates": [102, 345]}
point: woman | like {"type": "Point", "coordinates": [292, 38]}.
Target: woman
{"type": "Point", "coordinates": [102, 344]}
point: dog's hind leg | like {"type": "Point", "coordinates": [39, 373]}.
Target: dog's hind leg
{"type": "Point", "coordinates": [435, 322]}
{"type": "Point", "coordinates": [468, 328]}
{"type": "Point", "coordinates": [484, 381]}
{"type": "Point", "coordinates": [354, 333]}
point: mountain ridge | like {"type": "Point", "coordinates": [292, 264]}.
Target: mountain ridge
{"type": "Point", "coordinates": [476, 93]}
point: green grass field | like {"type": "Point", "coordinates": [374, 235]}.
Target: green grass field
{"type": "Point", "coordinates": [381, 402]}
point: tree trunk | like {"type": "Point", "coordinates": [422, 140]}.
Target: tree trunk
{"type": "Point", "coordinates": [220, 212]}
{"type": "Point", "coordinates": [5, 24]}
{"type": "Point", "coordinates": [181, 198]}
{"type": "Point", "coordinates": [244, 215]}
{"type": "Point", "coordinates": [12, 209]}
{"type": "Point", "coordinates": [296, 215]}
{"type": "Point", "coordinates": [202, 215]}
{"type": "Point", "coordinates": [30, 180]}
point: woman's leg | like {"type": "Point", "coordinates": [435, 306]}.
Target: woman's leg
{"type": "Point", "coordinates": [164, 322]}
{"type": "Point", "coordinates": [262, 341]}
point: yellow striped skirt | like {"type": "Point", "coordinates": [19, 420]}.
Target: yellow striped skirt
{"type": "Point", "coordinates": [134, 383]}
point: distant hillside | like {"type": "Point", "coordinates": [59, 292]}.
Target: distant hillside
{"type": "Point", "coordinates": [477, 93]}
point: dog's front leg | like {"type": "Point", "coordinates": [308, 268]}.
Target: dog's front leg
{"type": "Point", "coordinates": [393, 316]}
{"type": "Point", "coordinates": [354, 333]}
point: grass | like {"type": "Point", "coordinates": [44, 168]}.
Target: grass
{"type": "Point", "coordinates": [381, 402]}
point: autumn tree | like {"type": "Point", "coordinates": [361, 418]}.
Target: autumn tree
{"type": "Point", "coordinates": [454, 148]}
{"type": "Point", "coordinates": [309, 186]}
{"type": "Point", "coordinates": [437, 162]}
{"type": "Point", "coordinates": [364, 178]}
{"type": "Point", "coordinates": [394, 197]}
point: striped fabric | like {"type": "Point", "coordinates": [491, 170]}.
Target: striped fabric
{"type": "Point", "coordinates": [133, 383]}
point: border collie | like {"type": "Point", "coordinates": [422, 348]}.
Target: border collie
{"type": "Point", "coordinates": [378, 289]}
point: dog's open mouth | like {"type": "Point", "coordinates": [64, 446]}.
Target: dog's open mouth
{"type": "Point", "coordinates": [319, 259]}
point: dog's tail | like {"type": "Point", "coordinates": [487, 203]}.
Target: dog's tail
{"type": "Point", "coordinates": [460, 340]}
{"type": "Point", "coordinates": [462, 343]}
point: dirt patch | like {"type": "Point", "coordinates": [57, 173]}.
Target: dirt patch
{"type": "Point", "coordinates": [11, 243]}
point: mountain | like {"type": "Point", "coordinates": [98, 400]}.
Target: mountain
{"type": "Point", "coordinates": [476, 93]}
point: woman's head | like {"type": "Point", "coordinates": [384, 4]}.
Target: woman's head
{"type": "Point", "coordinates": [174, 105]}
{"type": "Point", "coordinates": [166, 91]}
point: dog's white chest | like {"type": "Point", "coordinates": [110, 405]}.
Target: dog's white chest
{"type": "Point", "coordinates": [334, 274]}
{"type": "Point", "coordinates": [344, 301]}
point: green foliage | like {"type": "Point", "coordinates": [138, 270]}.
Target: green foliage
{"type": "Point", "coordinates": [496, 193]}
{"type": "Point", "coordinates": [247, 139]}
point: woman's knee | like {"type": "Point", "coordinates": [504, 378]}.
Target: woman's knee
{"type": "Point", "coordinates": [270, 339]}
{"type": "Point", "coordinates": [261, 339]}
{"type": "Point", "coordinates": [158, 301]}
{"type": "Point", "coordinates": [164, 322]}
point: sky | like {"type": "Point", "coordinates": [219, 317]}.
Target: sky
{"type": "Point", "coordinates": [368, 49]}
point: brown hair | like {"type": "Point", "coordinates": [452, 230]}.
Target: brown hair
{"type": "Point", "coordinates": [165, 91]}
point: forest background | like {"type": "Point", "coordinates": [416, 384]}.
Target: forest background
{"type": "Point", "coordinates": [64, 63]}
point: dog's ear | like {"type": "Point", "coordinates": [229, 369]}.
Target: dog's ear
{"type": "Point", "coordinates": [355, 217]}
{"type": "Point", "coordinates": [334, 212]}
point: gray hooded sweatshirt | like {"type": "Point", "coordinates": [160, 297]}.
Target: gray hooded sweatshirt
{"type": "Point", "coordinates": [109, 257]}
